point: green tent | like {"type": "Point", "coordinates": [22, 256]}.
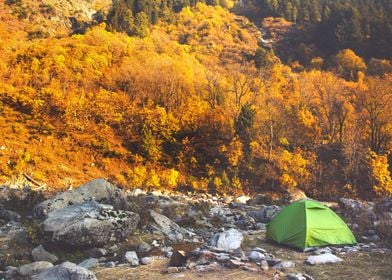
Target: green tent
{"type": "Point", "coordinates": [307, 223]}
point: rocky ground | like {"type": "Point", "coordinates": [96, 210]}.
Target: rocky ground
{"type": "Point", "coordinates": [98, 231]}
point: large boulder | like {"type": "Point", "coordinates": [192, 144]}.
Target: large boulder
{"type": "Point", "coordinates": [98, 190]}
{"type": "Point", "coordinates": [66, 271]}
{"type": "Point", "coordinates": [227, 241]}
{"type": "Point", "coordinates": [173, 232]}
{"type": "Point", "coordinates": [354, 207]}
{"type": "Point", "coordinates": [90, 224]}
{"type": "Point", "coordinates": [265, 213]}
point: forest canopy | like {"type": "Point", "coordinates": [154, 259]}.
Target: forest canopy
{"type": "Point", "coordinates": [180, 95]}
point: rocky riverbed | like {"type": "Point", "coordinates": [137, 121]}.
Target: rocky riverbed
{"type": "Point", "coordinates": [99, 231]}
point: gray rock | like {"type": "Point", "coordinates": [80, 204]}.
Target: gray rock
{"type": "Point", "coordinates": [11, 272]}
{"type": "Point", "coordinates": [292, 276]}
{"type": "Point", "coordinates": [113, 249]}
{"type": "Point", "coordinates": [145, 261]}
{"type": "Point", "coordinates": [89, 263]}
{"type": "Point", "coordinates": [213, 267]}
{"type": "Point", "coordinates": [256, 256]}
{"type": "Point", "coordinates": [110, 264]}
{"type": "Point", "coordinates": [258, 249]}
{"type": "Point", "coordinates": [167, 227]}
{"type": "Point", "coordinates": [234, 263]}
{"type": "Point", "coordinates": [298, 276]}
{"type": "Point", "coordinates": [98, 190]}
{"type": "Point", "coordinates": [220, 211]}
{"type": "Point", "coordinates": [40, 254]}
{"type": "Point", "coordinates": [143, 247]}
{"type": "Point", "coordinates": [373, 238]}
{"type": "Point", "coordinates": [264, 214]}
{"type": "Point", "coordinates": [321, 251]}
{"type": "Point", "coordinates": [98, 252]}
{"type": "Point", "coordinates": [264, 265]}
{"type": "Point", "coordinates": [8, 215]}
{"type": "Point", "coordinates": [273, 261]}
{"type": "Point", "coordinates": [284, 265]}
{"type": "Point", "coordinates": [227, 241]}
{"type": "Point", "coordinates": [31, 269]}
{"type": "Point", "coordinates": [66, 271]}
{"type": "Point", "coordinates": [172, 269]}
{"type": "Point", "coordinates": [245, 222]}
{"type": "Point", "coordinates": [132, 258]}
{"type": "Point", "coordinates": [323, 259]}
{"type": "Point", "coordinates": [222, 258]}
{"type": "Point", "coordinates": [90, 224]}
{"type": "Point", "coordinates": [261, 226]}
{"type": "Point", "coordinates": [355, 207]}
{"type": "Point", "coordinates": [15, 231]}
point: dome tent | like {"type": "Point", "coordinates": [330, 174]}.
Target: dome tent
{"type": "Point", "coordinates": [308, 223]}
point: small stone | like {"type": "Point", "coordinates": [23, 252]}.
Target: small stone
{"type": "Point", "coordinates": [172, 269]}
{"type": "Point", "coordinates": [178, 275]}
{"type": "Point", "coordinates": [89, 263]}
{"type": "Point", "coordinates": [234, 264]}
{"type": "Point", "coordinates": [256, 256]}
{"type": "Point", "coordinates": [132, 258]}
{"type": "Point", "coordinates": [143, 247]}
{"type": "Point", "coordinates": [273, 261]}
{"type": "Point", "coordinates": [110, 264]}
{"type": "Point", "coordinates": [284, 265]}
{"type": "Point", "coordinates": [97, 252]}
{"type": "Point", "coordinates": [323, 259]}
{"type": "Point", "coordinates": [264, 265]}
{"type": "Point", "coordinates": [292, 276]}
{"type": "Point", "coordinates": [40, 254]}
{"type": "Point", "coordinates": [222, 258]}
{"type": "Point", "coordinates": [213, 267]}
{"type": "Point", "coordinates": [374, 238]}
{"type": "Point", "coordinates": [113, 249]}
{"type": "Point", "coordinates": [321, 251]}
{"type": "Point", "coordinates": [258, 249]}
{"type": "Point", "coordinates": [239, 253]}
{"type": "Point", "coordinates": [250, 268]}
{"type": "Point", "coordinates": [261, 226]}
{"type": "Point", "coordinates": [145, 261]}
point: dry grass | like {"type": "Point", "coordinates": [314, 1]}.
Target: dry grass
{"type": "Point", "coordinates": [155, 270]}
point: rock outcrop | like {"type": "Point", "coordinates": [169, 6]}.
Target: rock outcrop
{"type": "Point", "coordinates": [90, 224]}
{"type": "Point", "coordinates": [98, 190]}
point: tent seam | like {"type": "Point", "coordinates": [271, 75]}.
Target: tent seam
{"type": "Point", "coordinates": [306, 226]}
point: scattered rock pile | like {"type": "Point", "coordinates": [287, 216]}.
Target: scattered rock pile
{"type": "Point", "coordinates": [102, 221]}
